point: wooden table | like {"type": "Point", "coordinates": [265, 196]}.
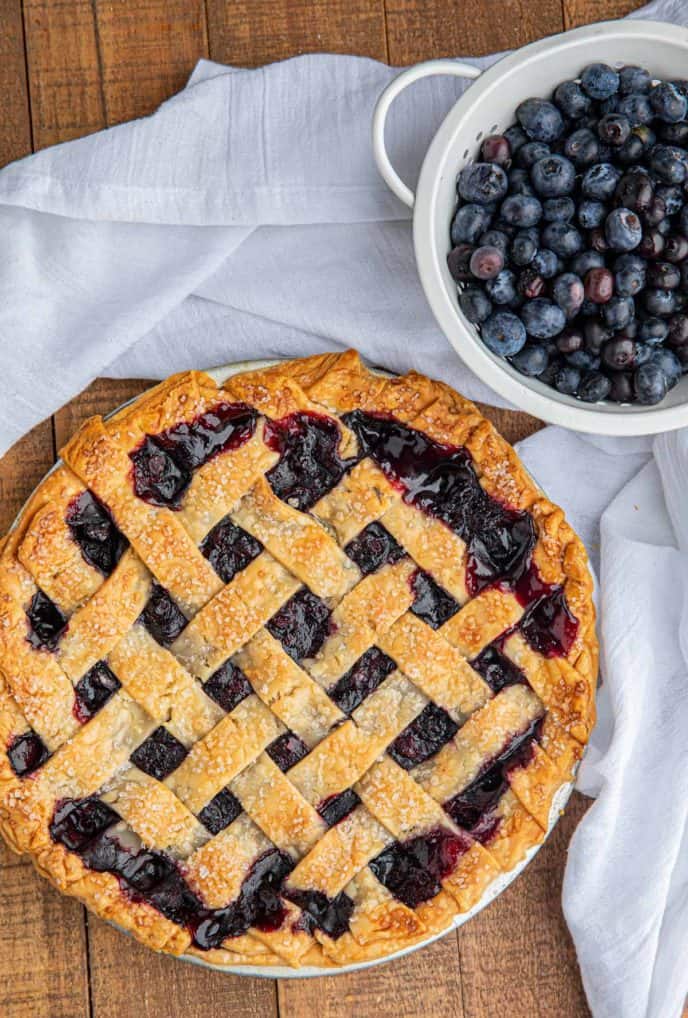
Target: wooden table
{"type": "Point", "coordinates": [69, 67]}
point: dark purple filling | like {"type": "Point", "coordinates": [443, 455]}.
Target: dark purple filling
{"type": "Point", "coordinates": [228, 686]}
{"type": "Point", "coordinates": [93, 691]}
{"type": "Point", "coordinates": [441, 481]}
{"type": "Point", "coordinates": [361, 680]}
{"type": "Point", "coordinates": [335, 807]}
{"type": "Point", "coordinates": [163, 463]}
{"type": "Point", "coordinates": [93, 529]}
{"type": "Point", "coordinates": [162, 616]}
{"type": "Point", "coordinates": [473, 808]}
{"type": "Point", "coordinates": [331, 915]}
{"type": "Point", "coordinates": [497, 669]}
{"type": "Point", "coordinates": [160, 754]}
{"type": "Point", "coordinates": [287, 750]}
{"type": "Point", "coordinates": [373, 548]}
{"type": "Point", "coordinates": [301, 625]}
{"type": "Point", "coordinates": [432, 603]}
{"type": "Point", "coordinates": [26, 753]}
{"type": "Point", "coordinates": [229, 549]}
{"type": "Point", "coordinates": [46, 622]}
{"type": "Point", "coordinates": [309, 465]}
{"type": "Point", "coordinates": [75, 822]}
{"type": "Point", "coordinates": [424, 737]}
{"type": "Point", "coordinates": [220, 812]}
{"type": "Point", "coordinates": [548, 625]}
{"type": "Point", "coordinates": [412, 870]}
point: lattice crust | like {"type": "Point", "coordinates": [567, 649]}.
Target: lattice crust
{"type": "Point", "coordinates": [256, 707]}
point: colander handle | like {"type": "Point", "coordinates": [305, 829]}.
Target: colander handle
{"type": "Point", "coordinates": [457, 68]}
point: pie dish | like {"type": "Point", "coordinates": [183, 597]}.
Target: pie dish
{"type": "Point", "coordinates": [291, 668]}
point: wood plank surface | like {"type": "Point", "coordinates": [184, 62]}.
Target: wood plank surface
{"type": "Point", "coordinates": [69, 67]}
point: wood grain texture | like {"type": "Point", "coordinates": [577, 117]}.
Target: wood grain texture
{"type": "Point", "coordinates": [581, 12]}
{"type": "Point", "coordinates": [15, 125]}
{"type": "Point", "coordinates": [252, 32]}
{"type": "Point", "coordinates": [422, 29]}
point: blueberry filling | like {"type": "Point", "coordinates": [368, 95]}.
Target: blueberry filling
{"type": "Point", "coordinates": [26, 753]}
{"type": "Point", "coordinates": [46, 622]}
{"type": "Point", "coordinates": [220, 812]}
{"type": "Point", "coordinates": [335, 807]}
{"type": "Point", "coordinates": [94, 690]}
{"type": "Point", "coordinates": [497, 669]}
{"type": "Point", "coordinates": [287, 750]}
{"type": "Point", "coordinates": [331, 915]}
{"type": "Point", "coordinates": [76, 822]}
{"type": "Point", "coordinates": [373, 548]}
{"type": "Point", "coordinates": [424, 737]}
{"type": "Point", "coordinates": [162, 616]}
{"type": "Point", "coordinates": [228, 686]}
{"type": "Point", "coordinates": [163, 463]}
{"type": "Point", "coordinates": [361, 680]}
{"type": "Point", "coordinates": [413, 870]}
{"type": "Point", "coordinates": [301, 625]}
{"type": "Point", "coordinates": [548, 625]}
{"type": "Point", "coordinates": [309, 464]}
{"type": "Point", "coordinates": [229, 549]}
{"type": "Point", "coordinates": [432, 603]}
{"type": "Point", "coordinates": [93, 529]}
{"type": "Point", "coordinates": [440, 481]}
{"type": "Point", "coordinates": [473, 809]}
{"type": "Point", "coordinates": [159, 755]}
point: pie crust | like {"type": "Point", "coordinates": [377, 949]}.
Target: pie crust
{"type": "Point", "coordinates": [337, 759]}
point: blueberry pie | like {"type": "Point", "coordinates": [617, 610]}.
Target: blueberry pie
{"type": "Point", "coordinates": [291, 668]}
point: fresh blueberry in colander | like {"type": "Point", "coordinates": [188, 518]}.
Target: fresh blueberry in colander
{"type": "Point", "coordinates": [569, 244]}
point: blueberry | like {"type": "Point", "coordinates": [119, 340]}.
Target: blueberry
{"type": "Point", "coordinates": [516, 137]}
{"type": "Point", "coordinates": [530, 284]}
{"type": "Point", "coordinates": [629, 275]}
{"type": "Point", "coordinates": [586, 260]}
{"type": "Point", "coordinates": [469, 222]}
{"type": "Point", "coordinates": [502, 289]}
{"type": "Point", "coordinates": [618, 312]}
{"type": "Point", "coordinates": [663, 275]}
{"type": "Point", "coordinates": [622, 229]}
{"type": "Point", "coordinates": [567, 379]}
{"type": "Point", "coordinates": [504, 334]}
{"type": "Point", "coordinates": [621, 388]}
{"type": "Point", "coordinates": [668, 103]}
{"type": "Point", "coordinates": [634, 191]}
{"type": "Point", "coordinates": [634, 79]}
{"type": "Point", "coordinates": [600, 181]}
{"type": "Point", "coordinates": [570, 340]}
{"type": "Point", "coordinates": [529, 154]}
{"type": "Point", "coordinates": [494, 238]}
{"type": "Point", "coordinates": [496, 149]}
{"type": "Point", "coordinates": [614, 129]}
{"type": "Point", "coordinates": [660, 302]}
{"type": "Point", "coordinates": [531, 360]}
{"type": "Point", "coordinates": [546, 263]}
{"type": "Point", "coordinates": [669, 364]}
{"type": "Point", "coordinates": [568, 293]}
{"type": "Point", "coordinates": [667, 162]}
{"type": "Point", "coordinates": [584, 360]}
{"type": "Point", "coordinates": [571, 99]}
{"type": "Point", "coordinates": [457, 262]}
{"type": "Point", "coordinates": [521, 210]}
{"type": "Point", "coordinates": [631, 150]}
{"type": "Point", "coordinates": [482, 183]}
{"type": "Point", "coordinates": [619, 354]}
{"type": "Point", "coordinates": [542, 318]}
{"type": "Point", "coordinates": [519, 182]}
{"type": "Point", "coordinates": [562, 238]}
{"type": "Point", "coordinates": [677, 331]}
{"type": "Point", "coordinates": [674, 134]}
{"type": "Point", "coordinates": [523, 249]}
{"type": "Point", "coordinates": [643, 352]}
{"type": "Point", "coordinates": [582, 147]}
{"type": "Point", "coordinates": [652, 244]}
{"type": "Point", "coordinates": [486, 262]}
{"type": "Point", "coordinates": [594, 387]}
{"type": "Point", "coordinates": [636, 108]}
{"type": "Point", "coordinates": [600, 81]}
{"type": "Point", "coordinates": [540, 119]}
{"type": "Point", "coordinates": [553, 176]}
{"type": "Point", "coordinates": [650, 384]}
{"type": "Point", "coordinates": [672, 198]}
{"type": "Point", "coordinates": [558, 210]}
{"type": "Point", "coordinates": [475, 304]}
{"type": "Point", "coordinates": [591, 213]}
{"type": "Point", "coordinates": [609, 105]}
{"type": "Point", "coordinates": [596, 335]}
{"type": "Point", "coordinates": [675, 248]}
{"type": "Point", "coordinates": [653, 331]}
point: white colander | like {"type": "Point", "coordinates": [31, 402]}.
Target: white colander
{"type": "Point", "coordinates": [488, 107]}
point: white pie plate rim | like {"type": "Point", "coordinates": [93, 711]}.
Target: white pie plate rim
{"type": "Point", "coordinates": [561, 797]}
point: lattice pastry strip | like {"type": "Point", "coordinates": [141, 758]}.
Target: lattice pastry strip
{"type": "Point", "coordinates": [362, 496]}
{"type": "Point", "coordinates": [480, 621]}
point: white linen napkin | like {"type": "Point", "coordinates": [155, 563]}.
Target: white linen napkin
{"type": "Point", "coordinates": [246, 219]}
